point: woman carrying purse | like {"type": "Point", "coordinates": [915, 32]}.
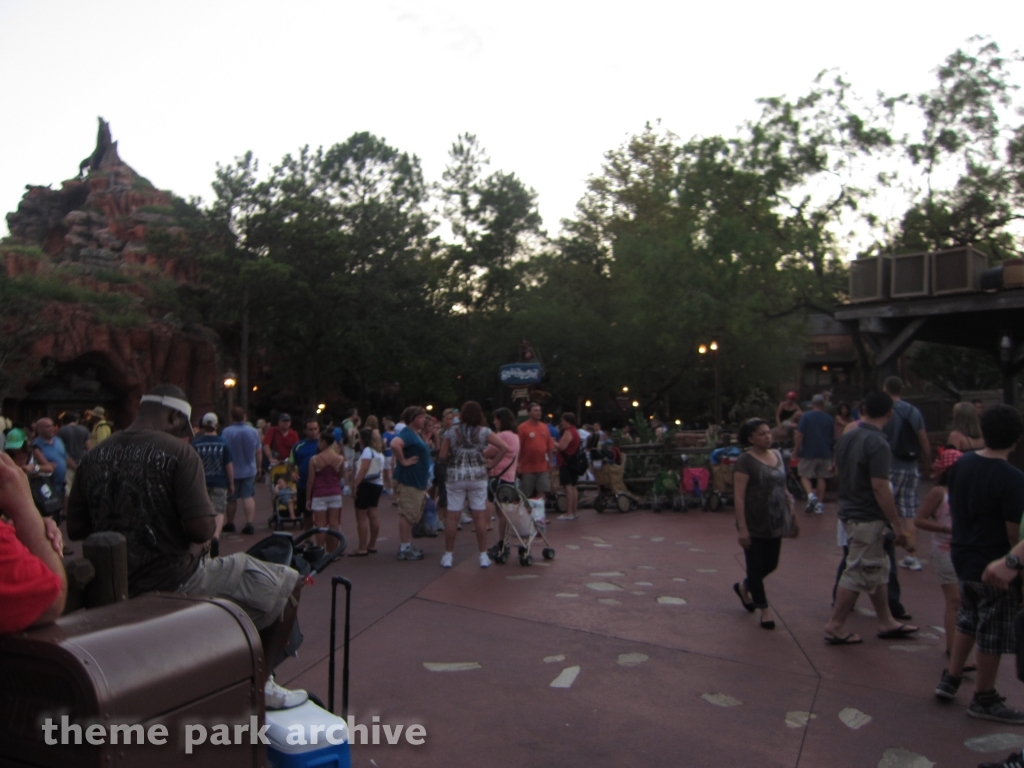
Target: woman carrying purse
{"type": "Point", "coordinates": [764, 514]}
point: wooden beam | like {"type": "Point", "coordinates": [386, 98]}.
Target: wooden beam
{"type": "Point", "coordinates": [968, 302]}
{"type": "Point", "coordinates": [896, 347]}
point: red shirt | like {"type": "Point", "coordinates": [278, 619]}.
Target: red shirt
{"type": "Point", "coordinates": [534, 445]}
{"type": "Point", "coordinates": [27, 586]}
{"type": "Point", "coordinates": [280, 442]}
{"type": "Point", "coordinates": [571, 449]}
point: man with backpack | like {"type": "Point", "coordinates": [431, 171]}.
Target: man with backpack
{"type": "Point", "coordinates": [908, 439]}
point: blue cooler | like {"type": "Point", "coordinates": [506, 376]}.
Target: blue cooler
{"type": "Point", "coordinates": [323, 754]}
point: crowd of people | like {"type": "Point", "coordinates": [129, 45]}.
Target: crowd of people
{"type": "Point", "coordinates": [172, 490]}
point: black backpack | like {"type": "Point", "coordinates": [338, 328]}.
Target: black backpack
{"type": "Point", "coordinates": [907, 446]}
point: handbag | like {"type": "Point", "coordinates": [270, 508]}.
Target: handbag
{"type": "Point", "coordinates": [48, 499]}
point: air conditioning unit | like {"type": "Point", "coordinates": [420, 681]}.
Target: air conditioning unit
{"type": "Point", "coordinates": [869, 279]}
{"type": "Point", "coordinates": [910, 275]}
{"type": "Point", "coordinates": [957, 270]}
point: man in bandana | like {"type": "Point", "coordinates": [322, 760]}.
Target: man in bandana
{"type": "Point", "coordinates": [149, 484]}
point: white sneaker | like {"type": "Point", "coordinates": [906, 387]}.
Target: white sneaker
{"type": "Point", "coordinates": [911, 562]}
{"type": "Point", "coordinates": [465, 519]}
{"type": "Point", "coordinates": [446, 560]}
{"type": "Point", "coordinates": [819, 508]}
{"type": "Point", "coordinates": [281, 698]}
{"type": "Point", "coordinates": [485, 561]}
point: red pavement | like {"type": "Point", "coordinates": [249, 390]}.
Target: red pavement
{"type": "Point", "coordinates": [504, 712]}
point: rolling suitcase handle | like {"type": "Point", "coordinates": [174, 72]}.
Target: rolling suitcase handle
{"type": "Point", "coordinates": [335, 581]}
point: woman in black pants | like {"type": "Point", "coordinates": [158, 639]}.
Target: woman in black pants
{"type": "Point", "coordinates": [763, 513]}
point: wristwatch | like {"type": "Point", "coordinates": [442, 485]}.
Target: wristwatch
{"type": "Point", "coordinates": [1012, 561]}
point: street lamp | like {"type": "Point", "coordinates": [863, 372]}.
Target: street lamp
{"type": "Point", "coordinates": [587, 404]}
{"type": "Point", "coordinates": [713, 348]}
{"type": "Point", "coordinates": [230, 382]}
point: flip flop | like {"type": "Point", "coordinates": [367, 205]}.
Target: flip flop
{"type": "Point", "coordinates": [850, 639]}
{"type": "Point", "coordinates": [371, 551]}
{"type": "Point", "coordinates": [358, 554]}
{"type": "Point", "coordinates": [902, 632]}
{"type": "Point", "coordinates": [739, 594]}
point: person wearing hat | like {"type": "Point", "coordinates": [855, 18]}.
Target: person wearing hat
{"type": "Point", "coordinates": [220, 471]}
{"type": "Point", "coordinates": [101, 428]}
{"type": "Point", "coordinates": [149, 485]}
{"type": "Point", "coordinates": [812, 445]}
{"type": "Point", "coordinates": [19, 449]}
{"type": "Point", "coordinates": [278, 441]}
{"type": "Point", "coordinates": [788, 411]}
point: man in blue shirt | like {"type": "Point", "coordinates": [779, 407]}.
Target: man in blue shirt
{"type": "Point", "coordinates": [812, 445]}
{"type": "Point", "coordinates": [412, 475]}
{"type": "Point", "coordinates": [219, 469]}
{"type": "Point", "coordinates": [303, 451]}
{"type": "Point", "coordinates": [908, 439]}
{"type": "Point", "coordinates": [52, 449]}
{"type": "Point", "coordinates": [246, 450]}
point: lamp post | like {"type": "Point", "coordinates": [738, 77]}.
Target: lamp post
{"type": "Point", "coordinates": [230, 382]}
{"type": "Point", "coordinates": [713, 349]}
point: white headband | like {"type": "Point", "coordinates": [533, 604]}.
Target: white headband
{"type": "Point", "coordinates": [175, 403]}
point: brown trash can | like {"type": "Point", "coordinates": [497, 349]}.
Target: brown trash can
{"type": "Point", "coordinates": [157, 659]}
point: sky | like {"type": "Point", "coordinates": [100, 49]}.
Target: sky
{"type": "Point", "coordinates": [548, 87]}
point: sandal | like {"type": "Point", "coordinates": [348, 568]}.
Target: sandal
{"type": "Point", "coordinates": [850, 639]}
{"type": "Point", "coordinates": [739, 594]}
{"type": "Point", "coordinates": [902, 632]}
{"type": "Point", "coordinates": [358, 554]}
{"type": "Point", "coordinates": [371, 551]}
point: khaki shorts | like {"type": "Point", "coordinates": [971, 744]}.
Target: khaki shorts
{"type": "Point", "coordinates": [867, 564]}
{"type": "Point", "coordinates": [69, 480]}
{"type": "Point", "coordinates": [535, 483]}
{"type": "Point", "coordinates": [944, 567]}
{"type": "Point", "coordinates": [260, 589]}
{"type": "Point", "coordinates": [814, 468]}
{"type": "Point", "coordinates": [219, 499]}
{"type": "Point", "coordinates": [410, 502]}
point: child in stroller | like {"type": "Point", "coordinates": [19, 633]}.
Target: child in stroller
{"type": "Point", "coordinates": [283, 478]}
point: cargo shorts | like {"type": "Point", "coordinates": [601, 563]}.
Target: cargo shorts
{"type": "Point", "coordinates": [867, 564]}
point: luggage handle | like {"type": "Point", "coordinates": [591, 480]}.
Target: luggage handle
{"type": "Point", "coordinates": [335, 581]}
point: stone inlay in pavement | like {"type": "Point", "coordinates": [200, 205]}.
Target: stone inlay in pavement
{"type": "Point", "coordinates": [684, 543]}
{"type": "Point", "coordinates": [608, 574]}
{"type": "Point", "coordinates": [604, 586]}
{"type": "Point", "coordinates": [707, 570]}
{"type": "Point", "coordinates": [632, 659]}
{"type": "Point", "coordinates": [608, 601]}
{"type": "Point", "coordinates": [638, 592]}
{"type": "Point", "coordinates": [598, 539]}
{"type": "Point", "coordinates": [695, 549]}
{"type": "Point", "coordinates": [566, 677]}
{"type": "Point", "coordinates": [657, 538]}
{"type": "Point", "coordinates": [995, 742]}
{"type": "Point", "coordinates": [669, 600]}
{"type": "Point", "coordinates": [720, 700]}
{"type": "Point", "coordinates": [927, 635]}
{"type": "Point", "coordinates": [799, 719]}
{"type": "Point", "coordinates": [456, 666]}
{"type": "Point", "coordinates": [863, 610]}
{"type": "Point", "coordinates": [602, 546]}
{"type": "Point", "coordinates": [572, 546]}
{"type": "Point", "coordinates": [522, 576]}
{"type": "Point", "coordinates": [567, 594]}
{"type": "Point", "coordinates": [940, 630]}
{"type": "Point", "coordinates": [646, 568]}
{"type": "Point", "coordinates": [897, 757]}
{"type": "Point", "coordinates": [553, 659]}
{"type": "Point", "coordinates": [643, 584]}
{"type": "Point", "coordinates": [854, 718]}
{"type": "Point", "coordinates": [678, 578]}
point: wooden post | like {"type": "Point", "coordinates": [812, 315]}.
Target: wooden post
{"type": "Point", "coordinates": [108, 553]}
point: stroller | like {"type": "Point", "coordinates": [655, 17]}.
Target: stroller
{"type": "Point", "coordinates": [519, 523]}
{"type": "Point", "coordinates": [609, 470]}
{"type": "Point", "coordinates": [280, 498]}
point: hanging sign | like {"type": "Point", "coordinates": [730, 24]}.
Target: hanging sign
{"type": "Point", "coordinates": [517, 374]}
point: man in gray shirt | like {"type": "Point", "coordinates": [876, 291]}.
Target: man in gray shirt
{"type": "Point", "coordinates": [868, 515]}
{"type": "Point", "coordinates": [908, 439]}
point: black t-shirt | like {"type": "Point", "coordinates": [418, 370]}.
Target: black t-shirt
{"type": "Point", "coordinates": [984, 495]}
{"type": "Point", "coordinates": [143, 484]}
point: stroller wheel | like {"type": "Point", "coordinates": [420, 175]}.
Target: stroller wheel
{"type": "Point", "coordinates": [549, 553]}
{"type": "Point", "coordinates": [561, 503]}
{"type": "Point", "coordinates": [523, 551]}
{"type": "Point", "coordinates": [502, 558]}
{"type": "Point", "coordinates": [525, 560]}
{"type": "Point", "coordinates": [623, 503]}
{"type": "Point", "coordinates": [600, 503]}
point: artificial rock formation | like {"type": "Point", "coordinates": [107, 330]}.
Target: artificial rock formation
{"type": "Point", "coordinates": [109, 230]}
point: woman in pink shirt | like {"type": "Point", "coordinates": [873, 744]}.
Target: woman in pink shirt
{"type": "Point", "coordinates": [504, 472]}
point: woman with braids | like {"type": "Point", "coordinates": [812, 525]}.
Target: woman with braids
{"type": "Point", "coordinates": [763, 513]}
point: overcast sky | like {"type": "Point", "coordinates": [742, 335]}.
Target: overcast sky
{"type": "Point", "coordinates": [548, 87]}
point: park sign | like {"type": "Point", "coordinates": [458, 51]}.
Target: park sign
{"type": "Point", "coordinates": [518, 374]}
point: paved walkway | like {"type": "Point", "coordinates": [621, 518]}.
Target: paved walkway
{"type": "Point", "coordinates": [636, 617]}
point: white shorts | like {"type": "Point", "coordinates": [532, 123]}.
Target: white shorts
{"type": "Point", "coordinates": [475, 490]}
{"type": "Point", "coordinates": [323, 503]}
